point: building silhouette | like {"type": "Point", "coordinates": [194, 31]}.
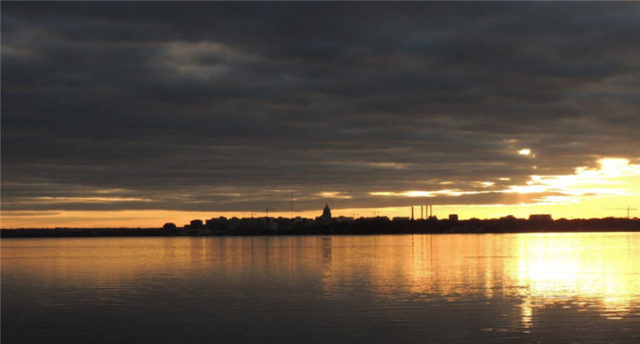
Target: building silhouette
{"type": "Point", "coordinates": [169, 226]}
{"type": "Point", "coordinates": [541, 218]}
{"type": "Point", "coordinates": [326, 212]}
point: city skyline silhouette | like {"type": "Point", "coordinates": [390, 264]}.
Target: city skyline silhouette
{"type": "Point", "coordinates": [126, 115]}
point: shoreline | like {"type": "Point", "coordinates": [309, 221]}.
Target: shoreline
{"type": "Point", "coordinates": [371, 226]}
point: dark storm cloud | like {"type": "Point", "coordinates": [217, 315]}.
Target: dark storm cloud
{"type": "Point", "coordinates": [226, 106]}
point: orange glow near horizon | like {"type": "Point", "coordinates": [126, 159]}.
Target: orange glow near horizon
{"type": "Point", "coordinates": [156, 218]}
{"type": "Point", "coordinates": [605, 191]}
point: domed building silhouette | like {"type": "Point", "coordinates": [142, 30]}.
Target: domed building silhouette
{"type": "Point", "coordinates": [326, 212]}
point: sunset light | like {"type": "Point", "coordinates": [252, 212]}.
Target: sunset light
{"type": "Point", "coordinates": [524, 151]}
{"type": "Point", "coordinates": [588, 192]}
{"type": "Point", "coordinates": [329, 172]}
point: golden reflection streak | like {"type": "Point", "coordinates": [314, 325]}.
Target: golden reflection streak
{"type": "Point", "coordinates": [538, 269]}
{"type": "Point", "coordinates": [561, 267]}
{"type": "Point", "coordinates": [599, 271]}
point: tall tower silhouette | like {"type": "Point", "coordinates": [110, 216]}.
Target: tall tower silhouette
{"type": "Point", "coordinates": [326, 212]}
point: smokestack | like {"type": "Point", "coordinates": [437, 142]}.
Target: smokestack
{"type": "Point", "coordinates": [426, 210]}
{"type": "Point", "coordinates": [421, 212]}
{"type": "Point", "coordinates": [411, 212]}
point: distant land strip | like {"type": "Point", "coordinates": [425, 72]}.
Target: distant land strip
{"type": "Point", "coordinates": [377, 225]}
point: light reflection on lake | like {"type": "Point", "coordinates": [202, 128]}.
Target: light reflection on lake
{"type": "Point", "coordinates": [404, 288]}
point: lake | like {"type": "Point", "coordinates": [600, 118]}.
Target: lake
{"type": "Point", "coordinates": [549, 288]}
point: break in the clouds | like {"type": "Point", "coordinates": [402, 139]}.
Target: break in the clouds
{"type": "Point", "coordinates": [239, 106]}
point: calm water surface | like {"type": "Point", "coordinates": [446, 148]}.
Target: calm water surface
{"type": "Point", "coordinates": [313, 289]}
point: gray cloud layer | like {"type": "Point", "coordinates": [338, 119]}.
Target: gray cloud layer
{"type": "Point", "coordinates": [229, 106]}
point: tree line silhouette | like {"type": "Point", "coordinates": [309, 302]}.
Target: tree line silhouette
{"type": "Point", "coordinates": [376, 225]}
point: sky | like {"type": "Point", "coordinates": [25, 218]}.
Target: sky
{"type": "Point", "coordinates": [140, 113]}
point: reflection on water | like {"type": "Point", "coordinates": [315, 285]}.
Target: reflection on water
{"type": "Point", "coordinates": [564, 267]}
{"type": "Point", "coordinates": [460, 288]}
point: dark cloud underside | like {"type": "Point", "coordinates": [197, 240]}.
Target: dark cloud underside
{"type": "Point", "coordinates": [228, 106]}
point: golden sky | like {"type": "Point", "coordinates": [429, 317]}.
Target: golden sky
{"type": "Point", "coordinates": [181, 119]}
{"type": "Point", "coordinates": [587, 193]}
